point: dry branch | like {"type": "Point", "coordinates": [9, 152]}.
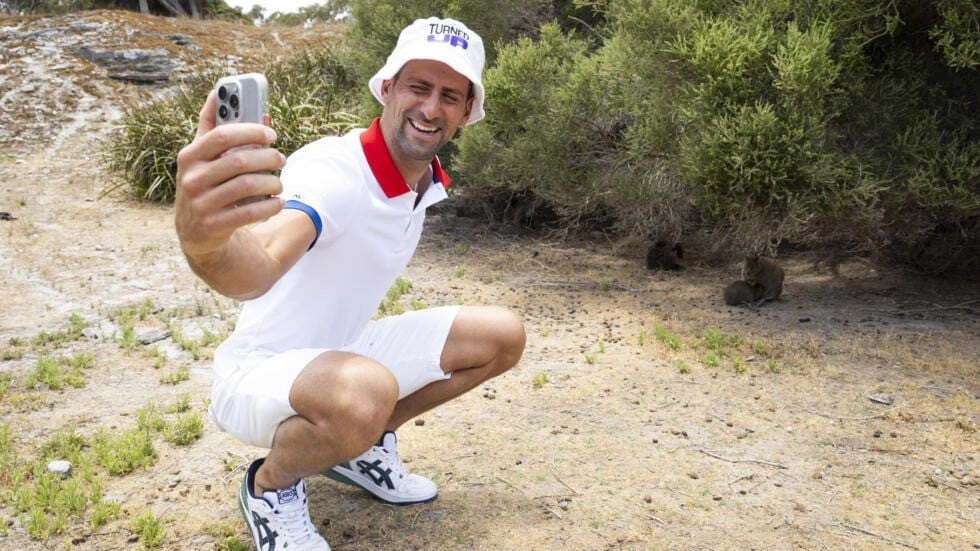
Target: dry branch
{"type": "Point", "coordinates": [879, 536]}
{"type": "Point", "coordinates": [759, 461]}
{"type": "Point", "coordinates": [836, 418]}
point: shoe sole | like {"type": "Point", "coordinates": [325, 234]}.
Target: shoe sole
{"type": "Point", "coordinates": [243, 507]}
{"type": "Point", "coordinates": [340, 477]}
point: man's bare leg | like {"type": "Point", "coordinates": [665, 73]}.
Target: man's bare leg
{"type": "Point", "coordinates": [484, 342]}
{"type": "Point", "coordinates": [343, 402]}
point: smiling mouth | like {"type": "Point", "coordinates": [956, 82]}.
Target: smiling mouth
{"type": "Point", "coordinates": [423, 128]}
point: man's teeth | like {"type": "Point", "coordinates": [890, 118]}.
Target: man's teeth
{"type": "Point", "coordinates": [423, 128]}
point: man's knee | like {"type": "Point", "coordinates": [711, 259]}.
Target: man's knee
{"type": "Point", "coordinates": [512, 336]}
{"type": "Point", "coordinates": [349, 396]}
{"type": "Point", "coordinates": [503, 330]}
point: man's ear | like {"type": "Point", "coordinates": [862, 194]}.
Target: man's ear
{"type": "Point", "coordinates": [386, 89]}
{"type": "Point", "coordinates": [469, 110]}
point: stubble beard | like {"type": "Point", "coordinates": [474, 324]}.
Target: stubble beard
{"type": "Point", "coordinates": [413, 150]}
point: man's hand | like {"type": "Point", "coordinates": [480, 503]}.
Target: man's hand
{"type": "Point", "coordinates": [216, 193]}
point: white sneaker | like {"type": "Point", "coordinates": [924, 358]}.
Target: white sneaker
{"type": "Point", "coordinates": [280, 519]}
{"type": "Point", "coordinates": [380, 471]}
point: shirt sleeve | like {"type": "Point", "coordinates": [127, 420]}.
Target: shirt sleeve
{"type": "Point", "coordinates": [317, 182]}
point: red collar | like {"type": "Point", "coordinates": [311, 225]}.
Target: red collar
{"type": "Point", "coordinates": [383, 167]}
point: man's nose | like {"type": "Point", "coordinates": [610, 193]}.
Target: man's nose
{"type": "Point", "coordinates": [430, 106]}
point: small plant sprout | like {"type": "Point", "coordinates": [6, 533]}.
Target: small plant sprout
{"type": "Point", "coordinates": [539, 379]}
{"type": "Point", "coordinates": [771, 366]}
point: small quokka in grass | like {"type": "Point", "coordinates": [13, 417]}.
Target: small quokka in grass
{"type": "Point", "coordinates": [661, 256]}
{"type": "Point", "coordinates": [742, 292]}
{"type": "Point", "coordinates": [759, 270]}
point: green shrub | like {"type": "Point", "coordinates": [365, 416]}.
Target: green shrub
{"type": "Point", "coordinates": [309, 96]}
{"type": "Point", "coordinates": [822, 123]}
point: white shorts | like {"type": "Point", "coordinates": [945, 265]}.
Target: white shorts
{"type": "Point", "coordinates": [251, 403]}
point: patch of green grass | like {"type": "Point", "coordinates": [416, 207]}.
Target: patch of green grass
{"type": "Point", "coordinates": [8, 455]}
{"type": "Point", "coordinates": [12, 353]}
{"type": "Point", "coordinates": [391, 305]}
{"type": "Point", "coordinates": [47, 502]}
{"type": "Point", "coordinates": [226, 531]}
{"type": "Point", "coordinates": [124, 452]}
{"type": "Point", "coordinates": [539, 379]}
{"type": "Point", "coordinates": [232, 544]}
{"type": "Point", "coordinates": [666, 338]}
{"type": "Point", "coordinates": [738, 364]}
{"type": "Point", "coordinates": [76, 324]}
{"type": "Point", "coordinates": [181, 404]}
{"type": "Point", "coordinates": [150, 419]}
{"type": "Point", "coordinates": [64, 444]}
{"type": "Point", "coordinates": [187, 428]}
{"type": "Point", "coordinates": [150, 530]}
{"type": "Point", "coordinates": [158, 357]}
{"type": "Point", "coordinates": [177, 376]}
{"type": "Point", "coordinates": [5, 381]}
{"type": "Point", "coordinates": [102, 513]}
{"type": "Point", "coordinates": [57, 373]}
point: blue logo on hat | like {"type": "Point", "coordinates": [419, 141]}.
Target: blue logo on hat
{"type": "Point", "coordinates": [448, 33]}
{"type": "Point", "coordinates": [452, 40]}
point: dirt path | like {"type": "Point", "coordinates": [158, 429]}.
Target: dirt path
{"type": "Point", "coordinates": [616, 431]}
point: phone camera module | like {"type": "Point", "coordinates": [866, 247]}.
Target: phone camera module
{"type": "Point", "coordinates": [223, 112]}
{"type": "Point", "coordinates": [222, 93]}
{"type": "Point", "coordinates": [233, 101]}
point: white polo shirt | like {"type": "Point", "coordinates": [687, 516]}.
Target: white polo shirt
{"type": "Point", "coordinates": [367, 229]}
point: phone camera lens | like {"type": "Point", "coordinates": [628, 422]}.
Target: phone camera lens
{"type": "Point", "coordinates": [233, 101]}
{"type": "Point", "coordinates": [222, 93]}
{"type": "Point", "coordinates": [223, 112]}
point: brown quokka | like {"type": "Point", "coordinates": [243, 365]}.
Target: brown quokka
{"type": "Point", "coordinates": [661, 256]}
{"type": "Point", "coordinates": [765, 272]}
{"type": "Point", "coordinates": [742, 292]}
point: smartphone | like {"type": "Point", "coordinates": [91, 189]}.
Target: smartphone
{"type": "Point", "coordinates": [242, 98]}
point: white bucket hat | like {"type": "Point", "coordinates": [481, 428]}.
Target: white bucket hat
{"type": "Point", "coordinates": [445, 40]}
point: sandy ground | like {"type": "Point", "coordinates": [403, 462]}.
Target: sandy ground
{"type": "Point", "coordinates": [603, 437]}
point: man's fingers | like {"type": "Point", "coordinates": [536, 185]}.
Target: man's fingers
{"type": "Point", "coordinates": [228, 136]}
{"type": "Point", "coordinates": [237, 215]}
{"type": "Point", "coordinates": [206, 119]}
{"type": "Point", "coordinates": [201, 176]}
{"type": "Point", "coordinates": [238, 190]}
{"type": "Point", "coordinates": [244, 163]}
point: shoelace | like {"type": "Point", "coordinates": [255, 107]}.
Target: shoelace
{"type": "Point", "coordinates": [295, 520]}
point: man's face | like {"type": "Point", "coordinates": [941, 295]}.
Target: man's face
{"type": "Point", "coordinates": [424, 105]}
